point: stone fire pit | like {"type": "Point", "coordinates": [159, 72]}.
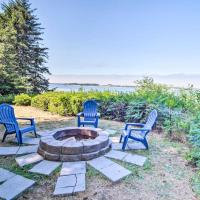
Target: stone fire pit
{"type": "Point", "coordinates": [74, 144]}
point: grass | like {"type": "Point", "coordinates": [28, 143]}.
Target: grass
{"type": "Point", "coordinates": [166, 174]}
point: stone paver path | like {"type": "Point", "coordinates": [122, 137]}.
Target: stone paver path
{"type": "Point", "coordinates": [27, 149]}
{"type": "Point", "coordinates": [28, 159]}
{"type": "Point", "coordinates": [126, 157]}
{"type": "Point", "coordinates": [129, 146]}
{"type": "Point", "coordinates": [5, 175]}
{"type": "Point", "coordinates": [45, 167]}
{"type": "Point", "coordinates": [14, 186]}
{"type": "Point", "coordinates": [72, 178]}
{"type": "Point", "coordinates": [6, 151]}
{"type": "Point", "coordinates": [69, 168]}
{"type": "Point", "coordinates": [110, 169]}
{"type": "Point", "coordinates": [73, 174]}
{"type": "Point", "coordinates": [30, 140]}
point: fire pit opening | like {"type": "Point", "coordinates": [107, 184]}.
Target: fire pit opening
{"type": "Point", "coordinates": [74, 144]}
{"type": "Point", "coordinates": [76, 134]}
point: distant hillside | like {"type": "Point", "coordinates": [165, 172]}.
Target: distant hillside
{"type": "Point", "coordinates": [174, 80]}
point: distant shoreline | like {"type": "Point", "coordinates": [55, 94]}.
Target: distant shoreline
{"type": "Point", "coordinates": [115, 85]}
{"type": "Point", "coordinates": [93, 84]}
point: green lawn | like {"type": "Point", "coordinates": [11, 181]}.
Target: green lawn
{"type": "Point", "coordinates": [165, 176]}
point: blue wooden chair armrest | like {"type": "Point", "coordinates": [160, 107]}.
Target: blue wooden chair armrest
{"type": "Point", "coordinates": [139, 129]}
{"type": "Point", "coordinates": [22, 118]}
{"type": "Point", "coordinates": [80, 114]}
{"type": "Point", "coordinates": [133, 124]}
{"type": "Point", "coordinates": [29, 119]}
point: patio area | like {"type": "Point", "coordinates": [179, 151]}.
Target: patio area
{"type": "Point", "coordinates": [159, 173]}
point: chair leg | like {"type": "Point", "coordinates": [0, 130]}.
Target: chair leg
{"type": "Point", "coordinates": [19, 137]}
{"type": "Point", "coordinates": [125, 143]}
{"type": "Point", "coordinates": [35, 133]}
{"type": "Point", "coordinates": [121, 137]}
{"type": "Point", "coordinates": [145, 143]}
{"type": "Point", "coordinates": [4, 137]}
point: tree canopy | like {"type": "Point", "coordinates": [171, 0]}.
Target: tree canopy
{"type": "Point", "coordinates": [22, 54]}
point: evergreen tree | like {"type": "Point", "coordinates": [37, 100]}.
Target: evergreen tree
{"type": "Point", "coordinates": [22, 56]}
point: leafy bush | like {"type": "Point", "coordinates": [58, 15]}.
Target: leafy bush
{"type": "Point", "coordinates": [7, 99]}
{"type": "Point", "coordinates": [22, 100]}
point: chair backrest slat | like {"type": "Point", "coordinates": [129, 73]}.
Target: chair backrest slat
{"type": "Point", "coordinates": [151, 119]}
{"type": "Point", "coordinates": [90, 109]}
{"type": "Point", "coordinates": [7, 116]}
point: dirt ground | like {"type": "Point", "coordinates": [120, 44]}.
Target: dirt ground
{"type": "Point", "coordinates": [165, 176]}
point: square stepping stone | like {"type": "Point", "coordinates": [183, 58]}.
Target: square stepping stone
{"type": "Point", "coordinates": [118, 155]}
{"type": "Point", "coordinates": [4, 151]}
{"type": "Point", "coordinates": [62, 191]}
{"type": "Point", "coordinates": [115, 172]}
{"type": "Point", "coordinates": [135, 159]}
{"type": "Point", "coordinates": [70, 184]}
{"type": "Point", "coordinates": [80, 183]}
{"type": "Point", "coordinates": [27, 149]}
{"type": "Point", "coordinates": [65, 185]}
{"type": "Point", "coordinates": [129, 146]}
{"type": "Point", "coordinates": [28, 159]}
{"type": "Point", "coordinates": [69, 168]}
{"type": "Point", "coordinates": [100, 163]}
{"type": "Point", "coordinates": [45, 167]}
{"type": "Point", "coordinates": [66, 181]}
{"type": "Point", "coordinates": [5, 175]}
{"type": "Point", "coordinates": [126, 157]}
{"type": "Point", "coordinates": [110, 169]}
{"type": "Point", "coordinates": [14, 186]}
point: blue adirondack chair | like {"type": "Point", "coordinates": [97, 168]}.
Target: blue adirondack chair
{"type": "Point", "coordinates": [89, 114]}
{"type": "Point", "coordinates": [8, 119]}
{"type": "Point", "coordinates": [139, 131]}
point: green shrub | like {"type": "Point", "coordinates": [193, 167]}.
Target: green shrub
{"type": "Point", "coordinates": [7, 99]}
{"type": "Point", "coordinates": [22, 100]}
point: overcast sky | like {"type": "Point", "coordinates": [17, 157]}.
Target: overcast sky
{"type": "Point", "coordinates": [121, 36]}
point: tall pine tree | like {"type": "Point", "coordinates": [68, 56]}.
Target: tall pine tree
{"type": "Point", "coordinates": [22, 55]}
